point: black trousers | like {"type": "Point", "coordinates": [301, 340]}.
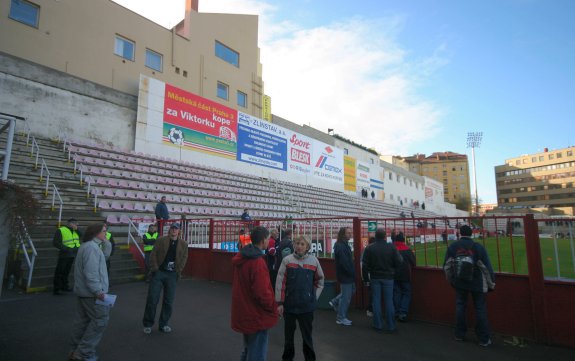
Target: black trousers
{"type": "Point", "coordinates": [61, 274]}
{"type": "Point", "coordinates": [305, 321]}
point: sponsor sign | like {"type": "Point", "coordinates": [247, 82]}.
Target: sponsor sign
{"type": "Point", "coordinates": [300, 153]}
{"type": "Point", "coordinates": [349, 173]}
{"type": "Point", "coordinates": [362, 175]}
{"type": "Point", "coordinates": [371, 226]}
{"type": "Point", "coordinates": [267, 107]}
{"type": "Point", "coordinates": [327, 162]}
{"type": "Point", "coordinates": [191, 121]}
{"type": "Point", "coordinates": [261, 142]}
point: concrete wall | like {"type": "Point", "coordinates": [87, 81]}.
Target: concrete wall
{"type": "Point", "coordinates": [54, 102]}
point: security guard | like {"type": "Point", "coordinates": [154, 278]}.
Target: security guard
{"type": "Point", "coordinates": [149, 239]}
{"type": "Point", "coordinates": [67, 240]}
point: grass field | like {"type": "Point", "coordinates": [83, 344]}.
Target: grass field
{"type": "Point", "coordinates": [500, 253]}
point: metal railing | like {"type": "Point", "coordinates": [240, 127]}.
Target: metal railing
{"type": "Point", "coordinates": [6, 153]}
{"type": "Point", "coordinates": [54, 194]}
{"type": "Point", "coordinates": [131, 237]}
{"type": "Point", "coordinates": [25, 242]}
{"type": "Point", "coordinates": [44, 166]}
{"type": "Point", "coordinates": [34, 147]}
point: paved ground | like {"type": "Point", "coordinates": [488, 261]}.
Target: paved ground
{"type": "Point", "coordinates": [37, 327]}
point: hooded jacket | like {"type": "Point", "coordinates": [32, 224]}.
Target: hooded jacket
{"type": "Point", "coordinates": [253, 305]}
{"type": "Point", "coordinates": [483, 276]}
{"type": "Point", "coordinates": [344, 268]}
{"type": "Point", "coordinates": [403, 274]}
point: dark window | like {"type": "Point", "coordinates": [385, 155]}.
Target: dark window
{"type": "Point", "coordinates": [227, 54]}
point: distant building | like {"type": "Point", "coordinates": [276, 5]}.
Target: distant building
{"type": "Point", "coordinates": [486, 207]}
{"type": "Point", "coordinates": [543, 182]}
{"type": "Point", "coordinates": [451, 169]}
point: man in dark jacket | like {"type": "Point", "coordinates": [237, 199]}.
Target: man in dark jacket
{"type": "Point", "coordinates": [162, 213]}
{"type": "Point", "coordinates": [402, 281]}
{"type": "Point", "coordinates": [254, 310]}
{"type": "Point", "coordinates": [481, 280]}
{"type": "Point", "coordinates": [380, 262]}
{"type": "Point", "coordinates": [345, 273]}
{"type": "Point", "coordinates": [67, 240]}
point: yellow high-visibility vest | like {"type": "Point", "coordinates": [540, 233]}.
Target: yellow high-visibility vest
{"type": "Point", "coordinates": [70, 238]}
{"type": "Point", "coordinates": [150, 247]}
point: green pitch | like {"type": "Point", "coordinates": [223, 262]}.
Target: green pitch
{"type": "Point", "coordinates": [554, 254]}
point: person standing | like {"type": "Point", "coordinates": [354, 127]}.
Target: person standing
{"type": "Point", "coordinates": [162, 213]}
{"type": "Point", "coordinates": [468, 269]}
{"type": "Point", "coordinates": [109, 246]}
{"type": "Point", "coordinates": [380, 261]}
{"type": "Point", "coordinates": [246, 216]}
{"type": "Point", "coordinates": [402, 281]}
{"type": "Point", "coordinates": [254, 310]}
{"type": "Point", "coordinates": [91, 284]}
{"type": "Point", "coordinates": [67, 240]}
{"type": "Point", "coordinates": [298, 287]}
{"type": "Point", "coordinates": [345, 274]}
{"type": "Point", "coordinates": [167, 261]}
{"type": "Point", "coordinates": [271, 255]}
{"type": "Point", "coordinates": [149, 239]}
{"type": "Point", "coordinates": [284, 248]}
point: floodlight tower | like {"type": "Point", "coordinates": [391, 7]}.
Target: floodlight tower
{"type": "Point", "coordinates": [474, 141]}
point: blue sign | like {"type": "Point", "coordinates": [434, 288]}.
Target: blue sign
{"type": "Point", "coordinates": [261, 142]}
{"type": "Point", "coordinates": [229, 246]}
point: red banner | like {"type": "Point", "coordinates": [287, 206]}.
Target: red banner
{"type": "Point", "coordinates": [193, 112]}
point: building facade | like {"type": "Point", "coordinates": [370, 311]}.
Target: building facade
{"type": "Point", "coordinates": [543, 182]}
{"type": "Point", "coordinates": [451, 169]}
{"type": "Point", "coordinates": [100, 42]}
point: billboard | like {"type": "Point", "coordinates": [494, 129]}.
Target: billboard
{"type": "Point", "coordinates": [300, 153]}
{"type": "Point", "coordinates": [349, 173]}
{"type": "Point", "coordinates": [363, 175]}
{"type": "Point", "coordinates": [191, 121]}
{"type": "Point", "coordinates": [261, 142]}
{"type": "Point", "coordinates": [327, 162]}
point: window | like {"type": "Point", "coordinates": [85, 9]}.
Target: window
{"type": "Point", "coordinates": [398, 177]}
{"type": "Point", "coordinates": [154, 60]}
{"type": "Point", "coordinates": [223, 91]}
{"type": "Point", "coordinates": [242, 99]}
{"type": "Point", "coordinates": [390, 176]}
{"type": "Point", "coordinates": [25, 12]}
{"type": "Point", "coordinates": [559, 155]}
{"type": "Point", "coordinates": [569, 153]}
{"type": "Point", "coordinates": [533, 159]}
{"type": "Point", "coordinates": [124, 48]}
{"type": "Point", "coordinates": [551, 156]}
{"type": "Point", "coordinates": [227, 54]}
{"type": "Point", "coordinates": [372, 161]}
{"type": "Point", "coordinates": [541, 158]}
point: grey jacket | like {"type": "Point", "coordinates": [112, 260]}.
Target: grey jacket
{"type": "Point", "coordinates": [90, 274]}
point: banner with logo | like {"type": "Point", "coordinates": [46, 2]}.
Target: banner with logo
{"type": "Point", "coordinates": [363, 175]}
{"type": "Point", "coordinates": [327, 162]}
{"type": "Point", "coordinates": [300, 152]}
{"type": "Point", "coordinates": [191, 121]}
{"type": "Point", "coordinates": [267, 107]}
{"type": "Point", "coordinates": [349, 173]}
{"type": "Point", "coordinates": [261, 142]}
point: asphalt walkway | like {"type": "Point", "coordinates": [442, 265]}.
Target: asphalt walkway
{"type": "Point", "coordinates": [37, 327]}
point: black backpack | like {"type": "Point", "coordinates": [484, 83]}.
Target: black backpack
{"type": "Point", "coordinates": [465, 263]}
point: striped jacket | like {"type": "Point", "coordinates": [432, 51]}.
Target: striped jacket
{"type": "Point", "coordinates": [299, 283]}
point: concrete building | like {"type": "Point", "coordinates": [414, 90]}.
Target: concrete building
{"type": "Point", "coordinates": [94, 52]}
{"type": "Point", "coordinates": [543, 182]}
{"type": "Point", "coordinates": [451, 169]}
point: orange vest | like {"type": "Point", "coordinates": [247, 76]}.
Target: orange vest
{"type": "Point", "coordinates": [245, 240]}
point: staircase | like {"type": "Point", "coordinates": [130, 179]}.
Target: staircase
{"type": "Point", "coordinates": [124, 268]}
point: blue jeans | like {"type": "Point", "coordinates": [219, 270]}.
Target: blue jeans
{"type": "Point", "coordinates": [167, 281]}
{"type": "Point", "coordinates": [255, 346]}
{"type": "Point", "coordinates": [401, 297]}
{"type": "Point", "coordinates": [482, 324]}
{"type": "Point", "coordinates": [343, 299]}
{"type": "Point", "coordinates": [377, 287]}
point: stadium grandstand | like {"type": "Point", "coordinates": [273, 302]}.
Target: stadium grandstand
{"type": "Point", "coordinates": [102, 132]}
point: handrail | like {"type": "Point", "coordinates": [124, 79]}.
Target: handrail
{"type": "Point", "coordinates": [23, 237]}
{"type": "Point", "coordinates": [131, 237]}
{"type": "Point", "coordinates": [55, 193]}
{"type": "Point", "coordinates": [35, 145]}
{"type": "Point", "coordinates": [44, 166]}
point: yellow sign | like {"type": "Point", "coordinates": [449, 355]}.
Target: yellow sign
{"type": "Point", "coordinates": [349, 183]}
{"type": "Point", "coordinates": [267, 108]}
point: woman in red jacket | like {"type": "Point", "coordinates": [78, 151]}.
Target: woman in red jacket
{"type": "Point", "coordinates": [254, 310]}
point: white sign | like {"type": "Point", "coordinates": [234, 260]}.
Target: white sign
{"type": "Point", "coordinates": [327, 162]}
{"type": "Point", "coordinates": [300, 152]}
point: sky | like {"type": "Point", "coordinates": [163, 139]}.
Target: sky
{"type": "Point", "coordinates": [415, 76]}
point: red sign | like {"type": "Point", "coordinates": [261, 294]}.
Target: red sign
{"type": "Point", "coordinates": [193, 112]}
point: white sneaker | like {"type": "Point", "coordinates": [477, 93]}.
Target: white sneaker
{"type": "Point", "coordinates": [166, 329]}
{"type": "Point", "coordinates": [369, 313]}
{"type": "Point", "coordinates": [333, 305]}
{"type": "Point", "coordinates": [344, 322]}
{"type": "Point", "coordinates": [147, 330]}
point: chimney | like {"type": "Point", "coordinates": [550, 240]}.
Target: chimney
{"type": "Point", "coordinates": [191, 5]}
{"type": "Point", "coordinates": [545, 150]}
